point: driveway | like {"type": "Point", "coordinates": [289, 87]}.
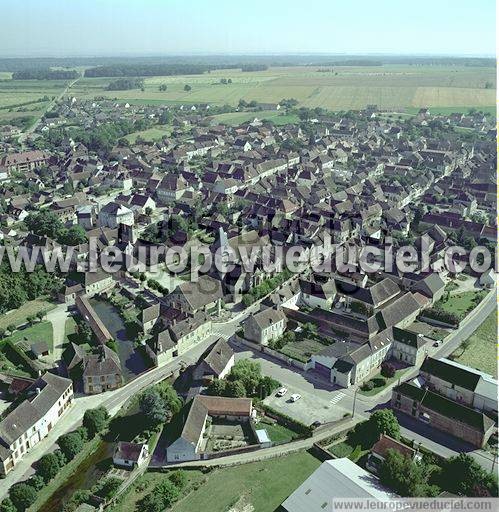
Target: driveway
{"type": "Point", "coordinates": [57, 317]}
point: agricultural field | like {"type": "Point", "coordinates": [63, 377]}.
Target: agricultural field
{"type": "Point", "coordinates": [19, 98]}
{"type": "Point", "coordinates": [390, 86]}
{"type": "Point", "coordinates": [480, 349]}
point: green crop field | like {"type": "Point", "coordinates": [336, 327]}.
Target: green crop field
{"type": "Point", "coordinates": [19, 98]}
{"type": "Point", "coordinates": [390, 86]}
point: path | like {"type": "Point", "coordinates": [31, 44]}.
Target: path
{"type": "Point", "coordinates": [57, 317]}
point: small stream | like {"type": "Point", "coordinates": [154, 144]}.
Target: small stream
{"type": "Point", "coordinates": [132, 361]}
{"type": "Point", "coordinates": [87, 474]}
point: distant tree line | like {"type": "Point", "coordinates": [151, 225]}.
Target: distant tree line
{"type": "Point", "coordinates": [45, 74]}
{"type": "Point", "coordinates": [153, 69]}
{"type": "Point", "coordinates": [254, 67]}
{"type": "Point", "coordinates": [125, 84]}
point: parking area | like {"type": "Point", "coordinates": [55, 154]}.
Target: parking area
{"type": "Point", "coordinates": [320, 400]}
{"type": "Point", "coordinates": [310, 407]}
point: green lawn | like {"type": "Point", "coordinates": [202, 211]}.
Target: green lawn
{"type": "Point", "coordinates": [277, 433]}
{"type": "Point", "coordinates": [461, 303]}
{"type": "Point", "coordinates": [480, 350]}
{"type": "Point", "coordinates": [262, 485]}
{"type": "Point", "coordinates": [19, 316]}
{"type": "Point", "coordinates": [152, 134]}
{"type": "Point", "coordinates": [389, 381]}
{"type": "Point", "coordinates": [343, 449]}
{"type": "Point", "coordinates": [38, 332]}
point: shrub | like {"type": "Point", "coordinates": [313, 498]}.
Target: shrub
{"type": "Point", "coordinates": [36, 481]}
{"type": "Point", "coordinates": [22, 496]}
{"type": "Point", "coordinates": [367, 386]}
{"type": "Point", "coordinates": [441, 316]}
{"type": "Point", "coordinates": [95, 420]}
{"type": "Point", "coordinates": [71, 444]}
{"type": "Point", "coordinates": [387, 370]}
{"type": "Point", "coordinates": [7, 506]}
{"type": "Point", "coordinates": [378, 382]}
{"type": "Point", "coordinates": [178, 478]}
{"type": "Point", "coordinates": [48, 467]}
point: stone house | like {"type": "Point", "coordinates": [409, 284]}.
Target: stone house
{"type": "Point", "coordinates": [460, 383]}
{"type": "Point", "coordinates": [47, 399]}
{"type": "Point", "coordinates": [268, 324]}
{"type": "Point", "coordinates": [443, 414]}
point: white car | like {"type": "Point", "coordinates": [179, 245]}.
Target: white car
{"type": "Point", "coordinates": [281, 392]}
{"type": "Point", "coordinates": [295, 397]}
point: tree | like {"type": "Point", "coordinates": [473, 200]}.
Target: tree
{"type": "Point", "coordinates": [153, 406]}
{"type": "Point", "coordinates": [387, 370]}
{"type": "Point", "coordinates": [71, 444]}
{"type": "Point", "coordinates": [310, 330]}
{"type": "Point", "coordinates": [108, 488]}
{"type": "Point", "coordinates": [163, 87]}
{"type": "Point", "coordinates": [248, 372]}
{"type": "Point", "coordinates": [7, 506]}
{"type": "Point", "coordinates": [406, 477]}
{"type": "Point", "coordinates": [217, 387]}
{"type": "Point", "coordinates": [178, 478]}
{"type": "Point", "coordinates": [168, 492]}
{"type": "Point", "coordinates": [266, 386]}
{"type": "Point", "coordinates": [172, 401]}
{"type": "Point", "coordinates": [22, 496]}
{"type": "Point", "coordinates": [48, 467]}
{"type": "Point", "coordinates": [36, 481]}
{"type": "Point", "coordinates": [187, 88]}
{"type": "Point", "coordinates": [235, 389]}
{"type": "Point", "coordinates": [463, 475]}
{"type": "Point", "coordinates": [384, 421]}
{"type": "Point", "coordinates": [95, 420]}
{"type": "Point", "coordinates": [162, 497]}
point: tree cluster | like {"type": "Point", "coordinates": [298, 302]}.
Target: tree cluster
{"type": "Point", "coordinates": [46, 223]}
{"type": "Point", "coordinates": [166, 493]}
{"type": "Point", "coordinates": [125, 84]}
{"type": "Point", "coordinates": [16, 288]}
{"type": "Point", "coordinates": [45, 74]}
{"type": "Point", "coordinates": [159, 403]}
{"type": "Point", "coordinates": [244, 380]}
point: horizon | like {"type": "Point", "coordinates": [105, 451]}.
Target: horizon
{"type": "Point", "coordinates": [108, 28]}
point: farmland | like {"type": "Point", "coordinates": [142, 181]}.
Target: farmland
{"type": "Point", "coordinates": [20, 98]}
{"type": "Point", "coordinates": [390, 86]}
{"type": "Point", "coordinates": [394, 87]}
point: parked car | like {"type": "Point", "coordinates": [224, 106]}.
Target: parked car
{"type": "Point", "coordinates": [316, 424]}
{"type": "Point", "coordinates": [295, 397]}
{"type": "Point", "coordinates": [281, 392]}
